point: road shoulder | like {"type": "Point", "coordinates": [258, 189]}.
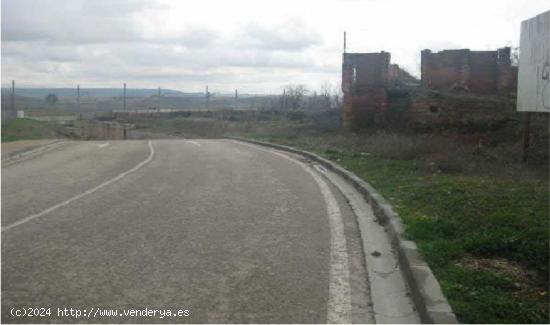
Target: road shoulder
{"type": "Point", "coordinates": [427, 295]}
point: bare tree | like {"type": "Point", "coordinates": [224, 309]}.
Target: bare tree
{"type": "Point", "coordinates": [336, 96]}
{"type": "Point", "coordinates": [294, 96]}
{"type": "Point", "coordinates": [514, 56]}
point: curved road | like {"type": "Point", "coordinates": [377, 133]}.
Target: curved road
{"type": "Point", "coordinates": [228, 231]}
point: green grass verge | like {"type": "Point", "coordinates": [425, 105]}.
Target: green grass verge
{"type": "Point", "coordinates": [26, 129]}
{"type": "Point", "coordinates": [456, 219]}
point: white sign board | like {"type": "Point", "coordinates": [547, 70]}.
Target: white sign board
{"type": "Point", "coordinates": [534, 65]}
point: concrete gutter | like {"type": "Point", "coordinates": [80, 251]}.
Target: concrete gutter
{"type": "Point", "coordinates": [431, 304]}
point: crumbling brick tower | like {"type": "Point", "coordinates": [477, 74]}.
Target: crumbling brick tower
{"type": "Point", "coordinates": [365, 78]}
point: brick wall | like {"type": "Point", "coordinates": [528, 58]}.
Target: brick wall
{"type": "Point", "coordinates": [483, 71]}
{"type": "Point", "coordinates": [377, 93]}
{"type": "Point", "coordinates": [446, 69]}
{"type": "Point", "coordinates": [452, 111]}
{"type": "Point", "coordinates": [365, 79]}
{"type": "Point", "coordinates": [474, 71]}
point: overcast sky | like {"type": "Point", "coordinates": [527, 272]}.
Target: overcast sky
{"type": "Point", "coordinates": [255, 46]}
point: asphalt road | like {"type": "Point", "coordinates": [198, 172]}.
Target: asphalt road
{"type": "Point", "coordinates": [228, 231]}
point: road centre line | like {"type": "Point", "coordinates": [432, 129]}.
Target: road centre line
{"type": "Point", "coordinates": [193, 142]}
{"type": "Point", "coordinates": [90, 191]}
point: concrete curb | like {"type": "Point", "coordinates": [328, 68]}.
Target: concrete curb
{"type": "Point", "coordinates": [428, 298]}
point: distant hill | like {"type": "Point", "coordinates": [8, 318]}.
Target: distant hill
{"type": "Point", "coordinates": [97, 92]}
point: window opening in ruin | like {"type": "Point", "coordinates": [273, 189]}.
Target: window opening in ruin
{"type": "Point", "coordinates": [434, 109]}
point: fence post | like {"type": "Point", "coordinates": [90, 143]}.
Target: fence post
{"type": "Point", "coordinates": [78, 97]}
{"type": "Point", "coordinates": [236, 98]}
{"type": "Point", "coordinates": [12, 98]}
{"type": "Point", "coordinates": [207, 98]}
{"type": "Point", "coordinates": [158, 100]}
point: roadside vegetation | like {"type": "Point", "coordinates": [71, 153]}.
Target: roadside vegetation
{"type": "Point", "coordinates": [486, 238]}
{"type": "Point", "coordinates": [478, 214]}
{"type": "Point", "coordinates": [27, 129]}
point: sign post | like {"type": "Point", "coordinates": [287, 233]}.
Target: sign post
{"type": "Point", "coordinates": [534, 72]}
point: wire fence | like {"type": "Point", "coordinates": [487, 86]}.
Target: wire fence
{"type": "Point", "coordinates": [94, 102]}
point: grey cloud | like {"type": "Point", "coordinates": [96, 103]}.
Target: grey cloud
{"type": "Point", "coordinates": [37, 52]}
{"type": "Point", "coordinates": [292, 35]}
{"type": "Point", "coordinates": [70, 22]}
{"type": "Point", "coordinates": [153, 62]}
{"type": "Point", "coordinates": [79, 22]}
{"type": "Point", "coordinates": [191, 37]}
{"type": "Point", "coordinates": [117, 8]}
{"type": "Point", "coordinates": [103, 42]}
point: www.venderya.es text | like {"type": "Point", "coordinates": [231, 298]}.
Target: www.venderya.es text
{"type": "Point", "coordinates": [94, 312]}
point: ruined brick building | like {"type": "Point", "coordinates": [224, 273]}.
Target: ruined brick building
{"type": "Point", "coordinates": [365, 79]}
{"type": "Point", "coordinates": [475, 71]}
{"type": "Point", "coordinates": [366, 82]}
{"type": "Point", "coordinates": [457, 87]}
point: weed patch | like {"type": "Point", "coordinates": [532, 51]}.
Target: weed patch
{"type": "Point", "coordinates": [455, 217]}
{"type": "Point", "coordinates": [26, 129]}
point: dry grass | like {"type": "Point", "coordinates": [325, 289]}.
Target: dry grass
{"type": "Point", "coordinates": [526, 283]}
{"type": "Point", "coordinates": [431, 153]}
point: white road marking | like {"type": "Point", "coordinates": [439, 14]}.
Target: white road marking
{"type": "Point", "coordinates": [193, 142]}
{"type": "Point", "coordinates": [339, 300]}
{"type": "Point", "coordinates": [90, 191]}
{"type": "Point", "coordinates": [320, 168]}
{"type": "Point", "coordinates": [103, 144]}
{"type": "Point", "coordinates": [390, 297]}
